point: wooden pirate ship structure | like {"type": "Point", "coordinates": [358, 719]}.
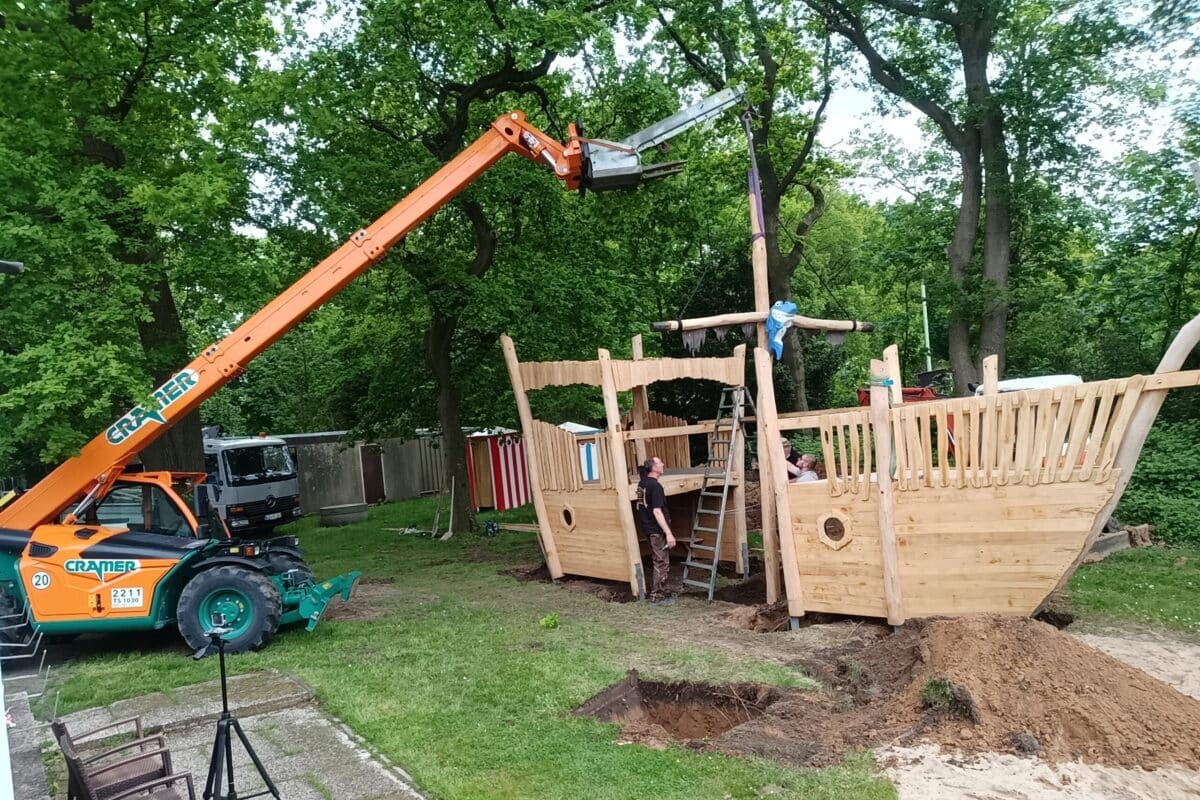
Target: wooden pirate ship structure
{"type": "Point", "coordinates": [963, 505]}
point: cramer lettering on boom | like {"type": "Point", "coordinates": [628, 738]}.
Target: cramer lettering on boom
{"type": "Point", "coordinates": [165, 396]}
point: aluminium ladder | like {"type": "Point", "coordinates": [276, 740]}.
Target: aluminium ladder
{"type": "Point", "coordinates": [704, 544]}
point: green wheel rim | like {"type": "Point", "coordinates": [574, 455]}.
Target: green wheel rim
{"type": "Point", "coordinates": [233, 604]}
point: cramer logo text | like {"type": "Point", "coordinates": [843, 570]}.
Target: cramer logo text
{"type": "Point", "coordinates": [101, 567]}
{"type": "Point", "coordinates": [164, 397]}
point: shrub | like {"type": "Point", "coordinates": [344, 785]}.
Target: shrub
{"type": "Point", "coordinates": [1165, 488]}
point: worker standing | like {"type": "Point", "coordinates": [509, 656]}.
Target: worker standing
{"type": "Point", "coordinates": [654, 518]}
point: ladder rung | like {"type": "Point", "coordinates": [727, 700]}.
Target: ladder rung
{"type": "Point", "coordinates": [708, 511]}
{"type": "Point", "coordinates": [703, 493]}
{"type": "Point", "coordinates": [707, 548]}
{"type": "Point", "coordinates": [699, 565]}
{"type": "Point", "coordinates": [697, 584]}
{"type": "Point", "coordinates": [707, 530]}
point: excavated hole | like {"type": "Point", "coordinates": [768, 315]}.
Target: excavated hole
{"type": "Point", "coordinates": [653, 712]}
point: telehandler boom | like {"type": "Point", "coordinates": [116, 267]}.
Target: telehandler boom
{"type": "Point", "coordinates": [95, 546]}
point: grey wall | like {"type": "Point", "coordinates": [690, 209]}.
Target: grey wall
{"type": "Point", "coordinates": [412, 467]}
{"type": "Point", "coordinates": [330, 472]}
{"type": "Point", "coordinates": [330, 475]}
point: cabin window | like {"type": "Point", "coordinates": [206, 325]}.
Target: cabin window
{"type": "Point", "coordinates": [833, 529]}
{"type": "Point", "coordinates": [568, 518]}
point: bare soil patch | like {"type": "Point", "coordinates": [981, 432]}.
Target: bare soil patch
{"type": "Point", "coordinates": [372, 598]}
{"type": "Point", "coordinates": [654, 713]}
{"type": "Point", "coordinates": [978, 685]}
{"type": "Point", "coordinates": [608, 591]}
{"type": "Point", "coordinates": [766, 618]}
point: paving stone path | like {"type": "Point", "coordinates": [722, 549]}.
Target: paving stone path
{"type": "Point", "coordinates": [308, 754]}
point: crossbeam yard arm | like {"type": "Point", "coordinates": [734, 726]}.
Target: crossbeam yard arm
{"type": "Point", "coordinates": [758, 317]}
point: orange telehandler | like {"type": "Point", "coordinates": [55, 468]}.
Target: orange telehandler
{"type": "Point", "coordinates": [97, 546]}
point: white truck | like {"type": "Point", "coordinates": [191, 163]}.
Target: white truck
{"type": "Point", "coordinates": [251, 482]}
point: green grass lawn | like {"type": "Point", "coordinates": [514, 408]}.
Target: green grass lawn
{"type": "Point", "coordinates": [459, 684]}
{"type": "Point", "coordinates": [1158, 586]}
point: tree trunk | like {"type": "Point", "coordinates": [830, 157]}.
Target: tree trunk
{"type": "Point", "coordinates": [163, 339]}
{"type": "Point", "coordinates": [779, 287]}
{"type": "Point", "coordinates": [181, 448]}
{"type": "Point", "coordinates": [975, 39]}
{"type": "Point", "coordinates": [438, 360]}
{"type": "Point", "coordinates": [958, 253]}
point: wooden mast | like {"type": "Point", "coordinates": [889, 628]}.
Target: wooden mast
{"type": "Point", "coordinates": [765, 405]}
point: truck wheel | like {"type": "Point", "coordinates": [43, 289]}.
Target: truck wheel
{"type": "Point", "coordinates": [247, 600]}
{"type": "Point", "coordinates": [282, 563]}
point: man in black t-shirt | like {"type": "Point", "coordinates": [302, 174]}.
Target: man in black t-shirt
{"type": "Point", "coordinates": [654, 520]}
{"type": "Point", "coordinates": [791, 458]}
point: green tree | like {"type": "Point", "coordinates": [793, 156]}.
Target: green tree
{"type": "Point", "coordinates": [119, 187]}
{"type": "Point", "coordinates": [376, 111]}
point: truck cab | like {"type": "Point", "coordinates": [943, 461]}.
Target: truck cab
{"type": "Point", "coordinates": [251, 482]}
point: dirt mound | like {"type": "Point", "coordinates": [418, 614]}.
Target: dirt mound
{"type": "Point", "coordinates": [979, 684]}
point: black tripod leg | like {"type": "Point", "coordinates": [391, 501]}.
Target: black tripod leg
{"type": "Point", "coordinates": [232, 795]}
{"type": "Point", "coordinates": [216, 763]}
{"type": "Point", "coordinates": [262, 771]}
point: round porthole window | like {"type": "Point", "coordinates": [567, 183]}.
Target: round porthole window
{"type": "Point", "coordinates": [568, 518]}
{"type": "Point", "coordinates": [833, 529]}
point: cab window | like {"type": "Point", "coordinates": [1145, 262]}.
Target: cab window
{"type": "Point", "coordinates": [141, 508]}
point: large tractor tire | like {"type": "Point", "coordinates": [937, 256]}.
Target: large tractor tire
{"type": "Point", "coordinates": [285, 563]}
{"type": "Point", "coordinates": [247, 599]}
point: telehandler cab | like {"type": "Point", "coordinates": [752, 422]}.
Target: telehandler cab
{"type": "Point", "coordinates": [96, 546]}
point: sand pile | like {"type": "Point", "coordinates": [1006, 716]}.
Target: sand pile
{"type": "Point", "coordinates": [979, 684]}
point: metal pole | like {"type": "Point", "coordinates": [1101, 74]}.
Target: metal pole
{"type": "Point", "coordinates": [925, 315]}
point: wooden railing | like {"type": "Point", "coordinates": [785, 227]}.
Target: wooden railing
{"type": "Point", "coordinates": [557, 454]}
{"type": "Point", "coordinates": [672, 449]}
{"type": "Point", "coordinates": [1069, 433]}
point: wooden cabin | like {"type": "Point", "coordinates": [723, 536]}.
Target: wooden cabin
{"type": "Point", "coordinates": [588, 527]}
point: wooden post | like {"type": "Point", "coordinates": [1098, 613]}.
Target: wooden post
{"type": "Point", "coordinates": [535, 480]}
{"type": "Point", "coordinates": [768, 428]}
{"type": "Point", "coordinates": [881, 422]}
{"type": "Point", "coordinates": [616, 446]}
{"type": "Point", "coordinates": [991, 377]}
{"type": "Point", "coordinates": [891, 362]}
{"type": "Point", "coordinates": [641, 407]}
{"type": "Point", "coordinates": [762, 305]}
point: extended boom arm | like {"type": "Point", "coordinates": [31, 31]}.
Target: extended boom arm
{"type": "Point", "coordinates": [101, 461]}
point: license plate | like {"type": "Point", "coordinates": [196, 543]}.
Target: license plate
{"type": "Point", "coordinates": [126, 598]}
{"type": "Point", "coordinates": [276, 515]}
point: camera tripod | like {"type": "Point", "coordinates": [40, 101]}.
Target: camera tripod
{"type": "Point", "coordinates": [221, 761]}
